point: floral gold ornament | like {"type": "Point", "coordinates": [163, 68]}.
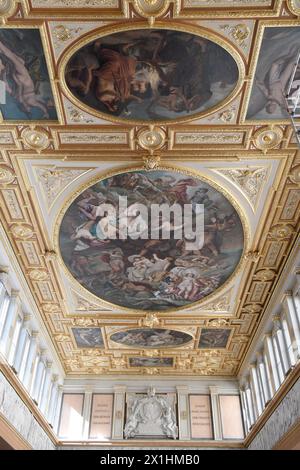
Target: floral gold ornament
{"type": "Point", "coordinates": [151, 139]}
{"type": "Point", "coordinates": [281, 231]}
{"type": "Point", "coordinates": [36, 139]}
{"type": "Point", "coordinates": [294, 6]}
{"type": "Point", "coordinates": [51, 308]}
{"type": "Point", "coordinates": [38, 275]}
{"type": "Point", "coordinates": [150, 320]}
{"type": "Point", "coordinates": [265, 275]}
{"type": "Point", "coordinates": [294, 174]}
{"type": "Point", "coordinates": [267, 138]}
{"type": "Point", "coordinates": [228, 115]}
{"type": "Point", "coordinates": [239, 33]}
{"type": "Point", "coordinates": [218, 322]}
{"type": "Point", "coordinates": [151, 162]}
{"type": "Point", "coordinates": [7, 175]}
{"type": "Point", "coordinates": [252, 256]}
{"type": "Point", "coordinates": [22, 231]}
{"type": "Point", "coordinates": [7, 8]}
{"type": "Point", "coordinates": [152, 9]}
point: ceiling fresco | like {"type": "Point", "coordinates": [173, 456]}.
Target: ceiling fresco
{"type": "Point", "coordinates": [28, 95]}
{"type": "Point", "coordinates": [151, 338]}
{"type": "Point", "coordinates": [145, 273]}
{"type": "Point", "coordinates": [151, 74]}
{"type": "Point", "coordinates": [177, 101]}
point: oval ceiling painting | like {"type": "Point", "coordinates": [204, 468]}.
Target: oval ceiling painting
{"type": "Point", "coordinates": [151, 240]}
{"type": "Point", "coordinates": [151, 75]}
{"type": "Point", "coordinates": [151, 338]}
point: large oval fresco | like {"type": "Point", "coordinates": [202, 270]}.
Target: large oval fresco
{"type": "Point", "coordinates": [151, 74]}
{"type": "Point", "coordinates": [151, 338]}
{"type": "Point", "coordinates": [154, 266]}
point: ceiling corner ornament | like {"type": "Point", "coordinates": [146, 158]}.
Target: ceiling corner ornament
{"type": "Point", "coordinates": [151, 139]}
{"type": "Point", "coordinates": [7, 8]}
{"type": "Point", "coordinates": [152, 9]}
{"type": "Point", "coordinates": [239, 33]}
{"type": "Point", "coordinates": [267, 138]}
{"type": "Point", "coordinates": [294, 6]}
{"type": "Point", "coordinates": [7, 175]}
{"type": "Point", "coordinates": [36, 139]}
{"type": "Point", "coordinates": [249, 180]}
{"type": "Point", "coordinates": [54, 181]}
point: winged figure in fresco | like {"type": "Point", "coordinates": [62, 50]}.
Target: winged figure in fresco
{"type": "Point", "coordinates": [19, 82]}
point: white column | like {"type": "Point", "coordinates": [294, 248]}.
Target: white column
{"type": "Point", "coordinates": [52, 400]}
{"type": "Point", "coordinates": [87, 409]}
{"type": "Point", "coordinates": [277, 358]}
{"type": "Point", "coordinates": [256, 390]}
{"type": "Point", "coordinates": [272, 361]}
{"type": "Point", "coordinates": [288, 340]}
{"type": "Point", "coordinates": [292, 316]}
{"type": "Point", "coordinates": [21, 343]}
{"type": "Point", "coordinates": [296, 298]}
{"type": "Point", "coordinates": [30, 362]}
{"type": "Point", "coordinates": [119, 412]}
{"type": "Point", "coordinates": [45, 392]}
{"type": "Point", "coordinates": [2, 292]}
{"type": "Point", "coordinates": [37, 383]}
{"type": "Point", "coordinates": [249, 401]}
{"type": "Point", "coordinates": [183, 412]}
{"type": "Point", "coordinates": [282, 349]}
{"type": "Point", "coordinates": [11, 316]}
{"type": "Point", "coordinates": [262, 375]}
{"type": "Point", "coordinates": [57, 407]}
{"type": "Point", "coordinates": [216, 414]}
{"type": "Point", "coordinates": [245, 410]}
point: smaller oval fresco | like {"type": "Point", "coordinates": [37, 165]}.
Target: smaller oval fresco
{"type": "Point", "coordinates": [149, 269]}
{"type": "Point", "coordinates": [151, 75]}
{"type": "Point", "coordinates": [151, 338]}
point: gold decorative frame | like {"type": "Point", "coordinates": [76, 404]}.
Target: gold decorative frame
{"type": "Point", "coordinates": [108, 30]}
{"type": "Point", "coordinates": [161, 348]}
{"type": "Point", "coordinates": [185, 171]}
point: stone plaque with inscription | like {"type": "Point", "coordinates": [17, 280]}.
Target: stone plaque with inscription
{"type": "Point", "coordinates": [101, 416]}
{"type": "Point", "coordinates": [201, 420]}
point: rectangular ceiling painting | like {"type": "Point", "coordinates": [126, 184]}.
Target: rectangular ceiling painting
{"type": "Point", "coordinates": [25, 88]}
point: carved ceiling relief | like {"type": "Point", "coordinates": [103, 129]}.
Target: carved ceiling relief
{"type": "Point", "coordinates": [47, 153]}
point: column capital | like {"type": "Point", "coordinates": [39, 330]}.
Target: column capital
{"type": "Point", "coordinates": [48, 364]}
{"type": "Point", "coordinates": [15, 293]}
{"type": "Point", "coordinates": [34, 334]}
{"type": "Point", "coordinates": [259, 357]}
{"type": "Point", "coordinates": [4, 278]}
{"type": "Point", "coordinates": [120, 388]}
{"type": "Point", "coordinates": [213, 390]}
{"type": "Point", "coordinates": [27, 317]}
{"type": "Point", "coordinates": [183, 389]}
